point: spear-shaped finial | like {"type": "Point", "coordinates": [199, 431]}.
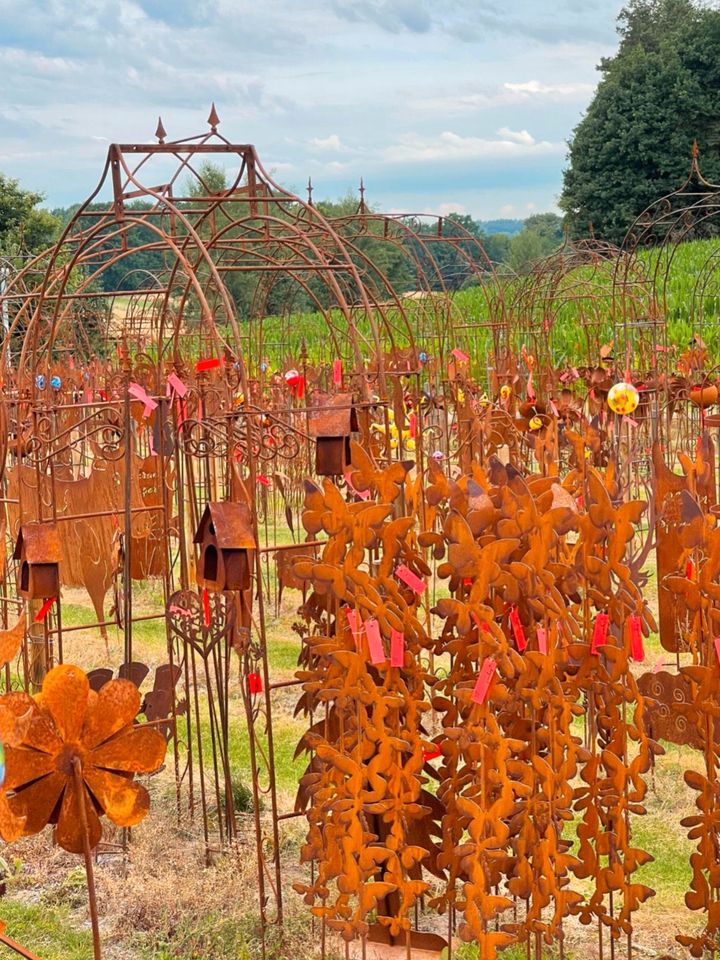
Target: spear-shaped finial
{"type": "Point", "coordinates": [160, 133]}
{"type": "Point", "coordinates": [310, 191]}
{"type": "Point", "coordinates": [213, 119]}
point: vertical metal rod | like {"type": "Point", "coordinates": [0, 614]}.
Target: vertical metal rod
{"type": "Point", "coordinates": [87, 853]}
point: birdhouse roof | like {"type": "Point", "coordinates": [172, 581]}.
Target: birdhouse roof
{"type": "Point", "coordinates": [38, 542]}
{"type": "Point", "coordinates": [331, 415]}
{"type": "Point", "coordinates": [232, 525]}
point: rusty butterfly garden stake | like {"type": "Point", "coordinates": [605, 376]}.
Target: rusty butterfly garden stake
{"type": "Point", "coordinates": [363, 685]}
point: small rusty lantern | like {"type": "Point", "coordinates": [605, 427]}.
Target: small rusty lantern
{"type": "Point", "coordinates": [331, 422]}
{"type": "Point", "coordinates": [38, 550]}
{"type": "Point", "coordinates": [226, 538]}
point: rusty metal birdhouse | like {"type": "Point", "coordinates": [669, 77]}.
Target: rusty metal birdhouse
{"type": "Point", "coordinates": [331, 423]}
{"type": "Point", "coordinates": [227, 542]}
{"type": "Point", "coordinates": [38, 550]}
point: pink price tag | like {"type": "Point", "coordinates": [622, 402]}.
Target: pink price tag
{"type": "Point", "coordinates": [517, 629]}
{"type": "Point", "coordinates": [600, 632]}
{"type": "Point", "coordinates": [717, 647]}
{"type": "Point", "coordinates": [541, 639]}
{"type": "Point", "coordinates": [410, 579]}
{"type": "Point", "coordinates": [630, 422]}
{"type": "Point", "coordinates": [485, 677]}
{"type": "Point", "coordinates": [397, 649]}
{"type": "Point", "coordinates": [174, 383]}
{"type": "Point", "coordinates": [637, 651]}
{"type": "Point", "coordinates": [460, 355]}
{"type": "Point", "coordinates": [352, 619]}
{"type": "Point", "coordinates": [375, 644]}
{"type": "Point", "coordinates": [363, 494]}
{"type": "Point", "coordinates": [337, 372]}
{"type": "Point", "coordinates": [661, 662]}
{"type": "Point", "coordinates": [139, 393]}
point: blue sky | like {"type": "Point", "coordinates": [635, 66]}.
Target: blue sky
{"type": "Point", "coordinates": [439, 104]}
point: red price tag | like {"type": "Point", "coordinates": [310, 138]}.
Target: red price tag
{"type": "Point", "coordinates": [637, 650]}
{"type": "Point", "coordinates": [209, 363]}
{"type": "Point", "coordinates": [206, 607]}
{"type": "Point", "coordinates": [255, 684]}
{"type": "Point", "coordinates": [397, 649]}
{"type": "Point", "coordinates": [517, 629]}
{"type": "Point", "coordinates": [600, 632]}
{"type": "Point", "coordinates": [44, 610]}
{"type": "Point", "coordinates": [337, 372]}
{"type": "Point", "coordinates": [375, 644]}
{"type": "Point", "coordinates": [485, 678]}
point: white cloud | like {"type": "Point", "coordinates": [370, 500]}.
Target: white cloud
{"type": "Point", "coordinates": [332, 143]}
{"type": "Point", "coordinates": [504, 95]}
{"type": "Point", "coordinates": [516, 136]}
{"type": "Point", "coordinates": [21, 61]}
{"type": "Point", "coordinates": [508, 209]}
{"type": "Point", "coordinates": [449, 147]}
{"type": "Point", "coordinates": [534, 88]}
{"type": "Point", "coordinates": [445, 209]}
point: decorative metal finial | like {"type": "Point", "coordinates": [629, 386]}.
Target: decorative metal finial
{"type": "Point", "coordinates": [160, 133]}
{"type": "Point", "coordinates": [362, 195]}
{"type": "Point", "coordinates": [310, 191]}
{"type": "Point", "coordinates": [695, 150]}
{"type": "Point", "coordinates": [213, 119]}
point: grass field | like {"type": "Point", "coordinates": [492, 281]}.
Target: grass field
{"type": "Point", "coordinates": [565, 317]}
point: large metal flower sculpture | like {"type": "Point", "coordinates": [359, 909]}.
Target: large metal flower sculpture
{"type": "Point", "coordinates": [79, 746]}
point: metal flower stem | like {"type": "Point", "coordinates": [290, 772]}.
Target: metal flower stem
{"type": "Point", "coordinates": [80, 786]}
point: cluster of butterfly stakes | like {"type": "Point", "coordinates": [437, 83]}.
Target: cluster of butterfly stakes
{"type": "Point", "coordinates": [483, 750]}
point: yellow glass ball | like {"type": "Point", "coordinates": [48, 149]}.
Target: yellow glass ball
{"type": "Point", "coordinates": [505, 392]}
{"type": "Point", "coordinates": [535, 423]}
{"type": "Point", "coordinates": [623, 398]}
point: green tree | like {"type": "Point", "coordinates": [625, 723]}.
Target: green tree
{"type": "Point", "coordinates": [23, 227]}
{"type": "Point", "coordinates": [525, 248]}
{"type": "Point", "coordinates": [658, 94]}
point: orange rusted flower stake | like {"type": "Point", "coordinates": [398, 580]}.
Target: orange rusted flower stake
{"type": "Point", "coordinates": [75, 759]}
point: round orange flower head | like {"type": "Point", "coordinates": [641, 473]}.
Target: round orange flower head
{"type": "Point", "coordinates": [623, 398]}
{"type": "Point", "coordinates": [70, 727]}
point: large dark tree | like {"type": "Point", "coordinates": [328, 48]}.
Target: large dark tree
{"type": "Point", "coordinates": [658, 94]}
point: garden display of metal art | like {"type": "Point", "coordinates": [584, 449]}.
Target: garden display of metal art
{"type": "Point", "coordinates": [466, 502]}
